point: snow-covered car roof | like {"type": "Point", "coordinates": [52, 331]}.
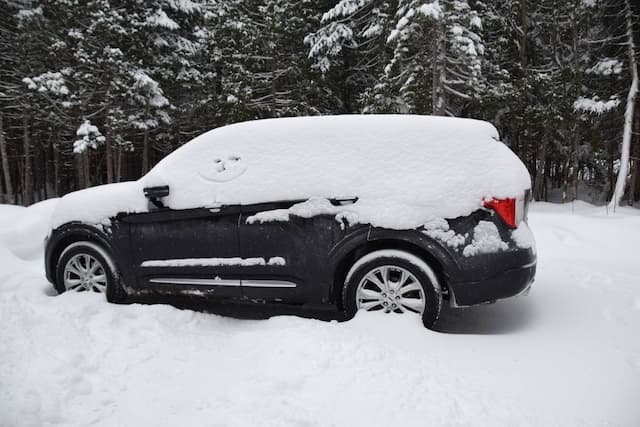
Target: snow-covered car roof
{"type": "Point", "coordinates": [446, 165]}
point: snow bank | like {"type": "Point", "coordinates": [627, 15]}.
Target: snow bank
{"type": "Point", "coordinates": [23, 230]}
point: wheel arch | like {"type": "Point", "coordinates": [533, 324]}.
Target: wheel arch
{"type": "Point", "coordinates": [434, 257]}
{"type": "Point", "coordinates": [68, 234]}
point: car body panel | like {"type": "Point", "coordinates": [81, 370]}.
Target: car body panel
{"type": "Point", "coordinates": [313, 250]}
{"type": "Point", "coordinates": [302, 243]}
{"type": "Point", "coordinates": [192, 248]}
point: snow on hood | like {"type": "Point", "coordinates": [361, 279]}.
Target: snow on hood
{"type": "Point", "coordinates": [404, 169]}
{"type": "Point", "coordinates": [97, 204]}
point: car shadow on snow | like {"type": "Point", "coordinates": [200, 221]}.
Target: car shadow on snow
{"type": "Point", "coordinates": [239, 310]}
{"type": "Point", "coordinates": [502, 317]}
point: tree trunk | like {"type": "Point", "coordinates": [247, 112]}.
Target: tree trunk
{"type": "Point", "coordinates": [618, 192]}
{"type": "Point", "coordinates": [540, 169]}
{"type": "Point", "coordinates": [574, 165]}
{"type": "Point", "coordinates": [79, 161]}
{"type": "Point", "coordinates": [145, 145]}
{"type": "Point", "coordinates": [635, 162]}
{"type": "Point", "coordinates": [438, 102]}
{"type": "Point", "coordinates": [634, 182]}
{"type": "Point", "coordinates": [48, 178]}
{"type": "Point", "coordinates": [274, 102]}
{"type": "Point", "coordinates": [56, 162]}
{"type": "Point", "coordinates": [108, 155]}
{"type": "Point", "coordinates": [610, 172]}
{"type": "Point", "coordinates": [5, 165]}
{"type": "Point", "coordinates": [523, 36]}
{"type": "Point", "coordinates": [27, 188]}
{"type": "Point", "coordinates": [86, 168]}
{"type": "Point", "coordinates": [118, 164]}
{"type": "Point", "coordinates": [145, 152]}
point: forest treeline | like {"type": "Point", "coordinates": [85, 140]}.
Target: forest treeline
{"type": "Point", "coordinates": [98, 91]}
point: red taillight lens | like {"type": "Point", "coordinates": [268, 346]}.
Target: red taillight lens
{"type": "Point", "coordinates": [505, 208]}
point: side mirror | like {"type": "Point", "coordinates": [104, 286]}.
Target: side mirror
{"type": "Point", "coordinates": [156, 193]}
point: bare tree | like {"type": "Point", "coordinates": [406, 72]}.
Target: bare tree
{"type": "Point", "coordinates": [627, 135]}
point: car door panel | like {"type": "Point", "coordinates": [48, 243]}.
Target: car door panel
{"type": "Point", "coordinates": [190, 250]}
{"type": "Point", "coordinates": [295, 253]}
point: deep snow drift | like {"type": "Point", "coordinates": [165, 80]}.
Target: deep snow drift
{"type": "Point", "coordinates": [568, 354]}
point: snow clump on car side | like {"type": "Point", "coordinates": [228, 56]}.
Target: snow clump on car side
{"type": "Point", "coordinates": [486, 239]}
{"type": "Point", "coordinates": [439, 229]}
{"type": "Point", "coordinates": [523, 237]}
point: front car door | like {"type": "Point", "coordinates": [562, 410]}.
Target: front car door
{"type": "Point", "coordinates": [192, 250]}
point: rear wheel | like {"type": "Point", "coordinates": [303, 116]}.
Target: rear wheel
{"type": "Point", "coordinates": [86, 267]}
{"type": "Point", "coordinates": [393, 281]}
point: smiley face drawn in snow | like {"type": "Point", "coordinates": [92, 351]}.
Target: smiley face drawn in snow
{"type": "Point", "coordinates": [224, 169]}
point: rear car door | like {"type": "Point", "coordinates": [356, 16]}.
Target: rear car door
{"type": "Point", "coordinates": [192, 250]}
{"type": "Point", "coordinates": [294, 251]}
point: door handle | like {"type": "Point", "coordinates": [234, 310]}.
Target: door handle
{"type": "Point", "coordinates": [341, 201]}
{"type": "Point", "coordinates": [215, 208]}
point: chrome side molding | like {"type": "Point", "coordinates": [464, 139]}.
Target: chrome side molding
{"type": "Point", "coordinates": [197, 282]}
{"type": "Point", "coordinates": [223, 282]}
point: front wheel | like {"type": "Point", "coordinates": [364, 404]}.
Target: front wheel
{"type": "Point", "coordinates": [393, 281]}
{"type": "Point", "coordinates": [87, 267]}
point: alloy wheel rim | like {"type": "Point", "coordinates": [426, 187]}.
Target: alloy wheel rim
{"type": "Point", "coordinates": [390, 288]}
{"type": "Point", "coordinates": [84, 272]}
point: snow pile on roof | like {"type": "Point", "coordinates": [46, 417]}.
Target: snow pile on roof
{"type": "Point", "coordinates": [399, 166]}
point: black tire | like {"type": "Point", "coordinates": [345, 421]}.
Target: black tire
{"type": "Point", "coordinates": [419, 268]}
{"type": "Point", "coordinates": [114, 290]}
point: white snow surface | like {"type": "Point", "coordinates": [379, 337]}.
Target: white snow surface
{"type": "Point", "coordinates": [190, 262]}
{"type": "Point", "coordinates": [567, 354]}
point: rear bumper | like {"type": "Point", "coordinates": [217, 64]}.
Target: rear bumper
{"type": "Point", "coordinates": [505, 284]}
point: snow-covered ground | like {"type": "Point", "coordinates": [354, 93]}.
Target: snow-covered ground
{"type": "Point", "coordinates": [568, 354]}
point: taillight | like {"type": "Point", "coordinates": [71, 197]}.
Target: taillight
{"type": "Point", "coordinates": [510, 210]}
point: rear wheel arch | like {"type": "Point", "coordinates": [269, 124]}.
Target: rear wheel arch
{"type": "Point", "coordinates": [352, 257]}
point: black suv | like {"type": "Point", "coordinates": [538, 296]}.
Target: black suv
{"type": "Point", "coordinates": [313, 250]}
